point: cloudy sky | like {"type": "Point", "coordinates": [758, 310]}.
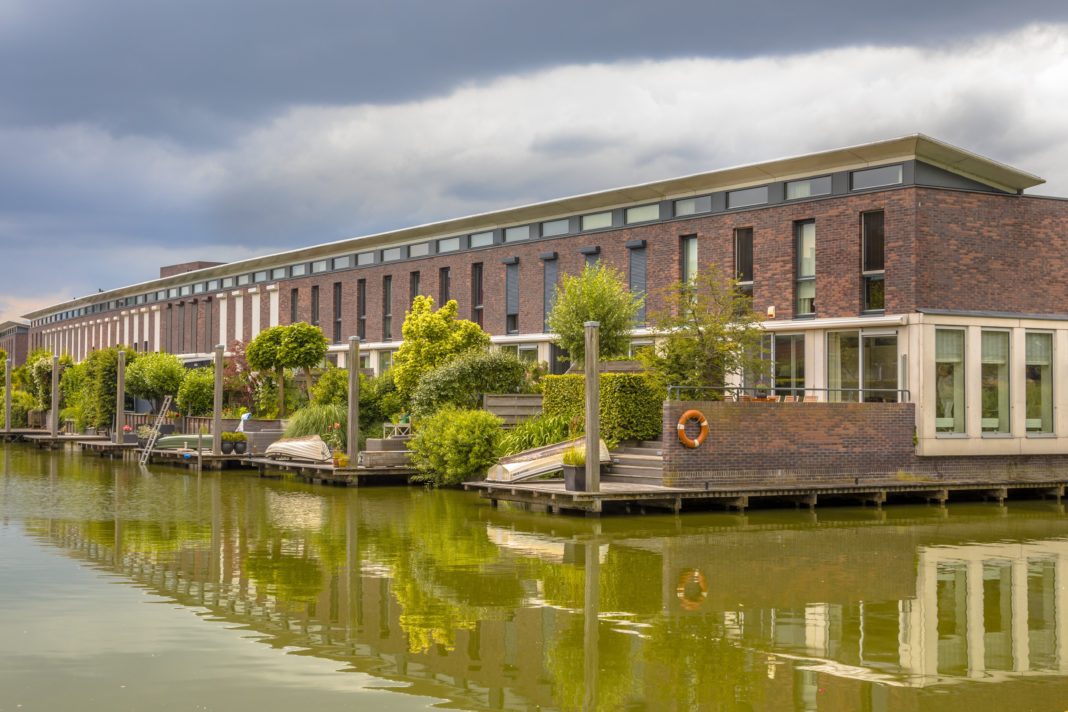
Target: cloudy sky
{"type": "Point", "coordinates": [135, 134]}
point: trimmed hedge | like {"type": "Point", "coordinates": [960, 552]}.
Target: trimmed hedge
{"type": "Point", "coordinates": [454, 446]}
{"type": "Point", "coordinates": [462, 381]}
{"type": "Point", "coordinates": [631, 404]}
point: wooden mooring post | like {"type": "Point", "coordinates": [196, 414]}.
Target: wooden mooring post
{"type": "Point", "coordinates": [353, 434]}
{"type": "Point", "coordinates": [216, 423]}
{"type": "Point", "coordinates": [120, 398]}
{"type": "Point", "coordinates": [593, 407]}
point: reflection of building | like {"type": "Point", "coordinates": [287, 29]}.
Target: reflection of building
{"type": "Point", "coordinates": [900, 265]}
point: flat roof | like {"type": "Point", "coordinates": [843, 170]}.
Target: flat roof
{"type": "Point", "coordinates": [915, 146]}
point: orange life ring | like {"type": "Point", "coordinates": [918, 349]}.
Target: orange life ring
{"type": "Point", "coordinates": [691, 598]}
{"type": "Point", "coordinates": [687, 417]}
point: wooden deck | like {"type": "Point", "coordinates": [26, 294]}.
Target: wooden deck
{"type": "Point", "coordinates": [46, 441]}
{"type": "Point", "coordinates": [326, 473]}
{"type": "Point", "coordinates": [628, 497]}
{"type": "Point", "coordinates": [203, 460]}
{"type": "Point", "coordinates": [106, 448]}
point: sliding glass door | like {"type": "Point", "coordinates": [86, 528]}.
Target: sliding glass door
{"type": "Point", "coordinates": [862, 366]}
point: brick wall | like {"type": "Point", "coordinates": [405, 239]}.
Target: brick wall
{"type": "Point", "coordinates": [171, 270]}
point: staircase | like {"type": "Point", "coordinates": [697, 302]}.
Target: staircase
{"type": "Point", "coordinates": [637, 462]}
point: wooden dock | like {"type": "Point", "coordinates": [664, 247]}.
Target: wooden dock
{"type": "Point", "coordinates": [203, 460]}
{"type": "Point", "coordinates": [47, 441]}
{"type": "Point", "coordinates": [326, 473]}
{"type": "Point", "coordinates": [106, 448]}
{"type": "Point", "coordinates": [620, 496]}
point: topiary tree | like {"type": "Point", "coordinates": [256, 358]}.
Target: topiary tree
{"type": "Point", "coordinates": [264, 354]}
{"type": "Point", "coordinates": [196, 395]}
{"type": "Point", "coordinates": [454, 446]}
{"type": "Point", "coordinates": [598, 294]}
{"type": "Point", "coordinates": [462, 381]}
{"type": "Point", "coordinates": [153, 376]}
{"type": "Point", "coordinates": [432, 338]}
{"type": "Point", "coordinates": [304, 347]}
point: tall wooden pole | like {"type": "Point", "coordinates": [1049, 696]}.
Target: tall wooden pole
{"type": "Point", "coordinates": [216, 423]}
{"type": "Point", "coordinates": [353, 362]}
{"type": "Point", "coordinates": [55, 396]}
{"type": "Point", "coordinates": [593, 406]}
{"type": "Point", "coordinates": [120, 398]}
{"type": "Point", "coordinates": [7, 394]}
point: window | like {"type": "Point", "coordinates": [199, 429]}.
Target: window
{"type": "Point", "coordinates": [319, 266]}
{"type": "Point", "coordinates": [297, 270]}
{"type": "Point", "coordinates": [873, 256]}
{"type": "Point", "coordinates": [692, 206]}
{"type": "Point", "coordinates": [995, 381]}
{"type": "Point", "coordinates": [515, 234]}
{"type": "Point", "coordinates": [688, 258]}
{"type": "Point", "coordinates": [385, 361]}
{"type": "Point", "coordinates": [476, 293]}
{"type": "Point", "coordinates": [808, 188]}
{"type": "Point", "coordinates": [444, 285]}
{"type": "Point", "coordinates": [806, 268]}
{"type": "Point", "coordinates": [294, 306]}
{"type": "Point", "coordinates": [449, 244]}
{"type": "Point", "coordinates": [361, 309]}
{"type": "Point", "coordinates": [1039, 385]}
{"type": "Point", "coordinates": [392, 254]}
{"type": "Point", "coordinates": [788, 352]}
{"type": "Point", "coordinates": [637, 278]}
{"type": "Point", "coordinates": [876, 177]}
{"type": "Point", "coordinates": [591, 256]}
{"type": "Point", "coordinates": [743, 259]}
{"type": "Point", "coordinates": [949, 380]}
{"type": "Point", "coordinates": [550, 272]}
{"type": "Point", "coordinates": [597, 221]}
{"type": "Point", "coordinates": [420, 250]}
{"type": "Point", "coordinates": [315, 306]}
{"type": "Point", "coordinates": [484, 239]}
{"type": "Point", "coordinates": [511, 298]}
{"type": "Point", "coordinates": [642, 213]}
{"type": "Point", "coordinates": [172, 293]}
{"type": "Point", "coordinates": [413, 286]}
{"type": "Point", "coordinates": [244, 279]}
{"type": "Point", "coordinates": [337, 312]}
{"type": "Point", "coordinates": [387, 307]}
{"type": "Point", "coordinates": [260, 276]}
{"type": "Point", "coordinates": [342, 262]}
{"type": "Point", "coordinates": [862, 364]}
{"type": "Point", "coordinates": [747, 196]}
{"type": "Point", "coordinates": [198, 288]}
{"type": "Point", "coordinates": [552, 228]}
{"type": "Point", "coordinates": [276, 273]}
{"type": "Point", "coordinates": [527, 353]}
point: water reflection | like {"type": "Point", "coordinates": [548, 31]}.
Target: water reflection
{"type": "Point", "coordinates": [850, 609]}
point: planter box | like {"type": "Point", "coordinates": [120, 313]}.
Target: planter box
{"type": "Point", "coordinates": [575, 478]}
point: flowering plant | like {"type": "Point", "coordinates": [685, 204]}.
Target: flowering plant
{"type": "Point", "coordinates": [127, 428]}
{"type": "Point", "coordinates": [334, 437]}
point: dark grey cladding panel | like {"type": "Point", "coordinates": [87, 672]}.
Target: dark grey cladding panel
{"type": "Point", "coordinates": [928, 175]}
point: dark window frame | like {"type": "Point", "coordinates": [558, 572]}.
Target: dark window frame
{"type": "Point", "coordinates": [361, 309]}
{"type": "Point", "coordinates": [444, 285]}
{"type": "Point", "coordinates": [337, 312]}
{"type": "Point", "coordinates": [387, 307]}
{"type": "Point", "coordinates": [872, 266]}
{"type": "Point", "coordinates": [799, 279]}
{"type": "Point", "coordinates": [477, 293]}
{"type": "Point", "coordinates": [315, 305]}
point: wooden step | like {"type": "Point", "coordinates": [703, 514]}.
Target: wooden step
{"type": "Point", "coordinates": [655, 472]}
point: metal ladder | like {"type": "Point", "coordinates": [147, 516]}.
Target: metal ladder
{"type": "Point", "coordinates": [154, 436]}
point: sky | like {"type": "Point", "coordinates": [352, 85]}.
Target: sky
{"type": "Point", "coordinates": [135, 134]}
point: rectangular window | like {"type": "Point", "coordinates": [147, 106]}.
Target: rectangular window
{"type": "Point", "coordinates": [808, 188]}
{"type": "Point", "coordinates": [995, 381]}
{"type": "Point", "coordinates": [552, 228]}
{"type": "Point", "coordinates": [260, 276]}
{"type": "Point", "coordinates": [315, 306]}
{"type": "Point", "coordinates": [276, 273]}
{"type": "Point", "coordinates": [949, 380]}
{"type": "Point", "coordinates": [597, 221]}
{"type": "Point", "coordinates": [642, 213]}
{"type": "Point", "coordinates": [693, 206]}
{"type": "Point", "coordinates": [413, 286]}
{"type": "Point", "coordinates": [806, 268]}
{"type": "Point", "coordinates": [743, 259]}
{"type": "Point", "coordinates": [444, 285]}
{"type": "Point", "coordinates": [637, 278]}
{"type": "Point", "coordinates": [337, 312]}
{"type": "Point", "coordinates": [320, 266]}
{"type": "Point", "coordinates": [688, 258]}
{"type": "Point", "coordinates": [392, 254]}
{"type": "Point", "coordinates": [387, 307]}
{"type": "Point", "coordinates": [515, 234]}
{"type": "Point", "coordinates": [484, 239]}
{"type": "Point", "coordinates": [297, 270]}
{"type": "Point", "coordinates": [449, 244]}
{"type": "Point", "coordinates": [184, 291]}
{"type": "Point", "coordinates": [385, 361]}
{"type": "Point", "coordinates": [198, 288]}
{"type": "Point", "coordinates": [361, 309]}
{"type": "Point", "coordinates": [420, 250]}
{"type": "Point", "coordinates": [1039, 387]}
{"type": "Point", "coordinates": [789, 355]}
{"type": "Point", "coordinates": [747, 196]}
{"type": "Point", "coordinates": [876, 177]}
{"type": "Point", "coordinates": [213, 286]}
{"type": "Point", "coordinates": [511, 298]}
{"type": "Point", "coordinates": [879, 368]}
{"type": "Point", "coordinates": [476, 293]}
{"type": "Point", "coordinates": [294, 306]}
{"type": "Point", "coordinates": [549, 275]}
{"type": "Point", "coordinates": [872, 249]}
{"type": "Point", "coordinates": [342, 262]}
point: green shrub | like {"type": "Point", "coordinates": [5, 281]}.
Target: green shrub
{"type": "Point", "coordinates": [196, 396]}
{"type": "Point", "coordinates": [233, 437]}
{"type": "Point", "coordinates": [154, 375]}
{"type": "Point", "coordinates": [21, 405]}
{"type": "Point", "coordinates": [575, 456]}
{"type": "Point", "coordinates": [538, 431]}
{"type": "Point", "coordinates": [319, 420]}
{"type": "Point", "coordinates": [332, 387]}
{"type": "Point", "coordinates": [455, 446]}
{"type": "Point", "coordinates": [462, 381]}
{"type": "Point", "coordinates": [631, 404]}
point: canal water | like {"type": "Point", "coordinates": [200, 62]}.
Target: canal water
{"type": "Point", "coordinates": [131, 589]}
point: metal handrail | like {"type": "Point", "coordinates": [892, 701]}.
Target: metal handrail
{"type": "Point", "coordinates": [900, 395]}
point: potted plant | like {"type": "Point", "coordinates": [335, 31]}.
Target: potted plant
{"type": "Point", "coordinates": [144, 432]}
{"type": "Point", "coordinates": [575, 469]}
{"type": "Point", "coordinates": [227, 444]}
{"type": "Point", "coordinates": [334, 438]}
{"type": "Point", "coordinates": [128, 434]}
{"type": "Point", "coordinates": [240, 441]}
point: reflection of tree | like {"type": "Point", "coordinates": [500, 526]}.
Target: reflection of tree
{"type": "Point", "coordinates": [286, 568]}
{"type": "Point", "coordinates": [621, 588]}
{"type": "Point", "coordinates": [566, 664]}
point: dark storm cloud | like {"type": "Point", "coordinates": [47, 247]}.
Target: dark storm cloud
{"type": "Point", "coordinates": [202, 69]}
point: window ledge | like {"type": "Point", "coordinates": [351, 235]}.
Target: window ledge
{"type": "Point", "coordinates": [1041, 436]}
{"type": "Point", "coordinates": [952, 436]}
{"type": "Point", "coordinates": [997, 436]}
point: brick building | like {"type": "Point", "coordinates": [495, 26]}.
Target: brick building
{"type": "Point", "coordinates": [14, 340]}
{"type": "Point", "coordinates": [905, 269]}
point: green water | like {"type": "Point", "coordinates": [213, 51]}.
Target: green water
{"type": "Point", "coordinates": [164, 590]}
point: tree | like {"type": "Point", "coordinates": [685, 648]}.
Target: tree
{"type": "Point", "coordinates": [462, 381]}
{"type": "Point", "coordinates": [598, 294]}
{"type": "Point", "coordinates": [240, 383]}
{"type": "Point", "coordinates": [196, 396]}
{"type": "Point", "coordinates": [303, 346]}
{"type": "Point", "coordinates": [264, 354]}
{"type": "Point", "coordinates": [3, 364]}
{"type": "Point", "coordinates": [100, 385]}
{"type": "Point", "coordinates": [710, 331]}
{"type": "Point", "coordinates": [155, 375]}
{"type": "Point", "coordinates": [431, 339]}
